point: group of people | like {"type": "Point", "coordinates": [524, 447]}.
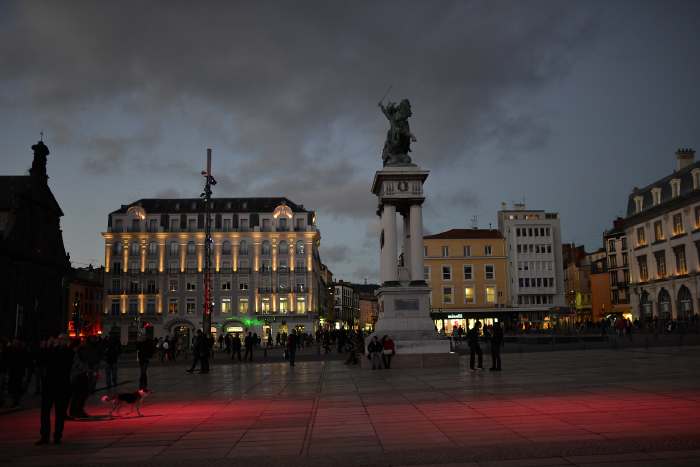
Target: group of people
{"type": "Point", "coordinates": [492, 335]}
{"type": "Point", "coordinates": [380, 352]}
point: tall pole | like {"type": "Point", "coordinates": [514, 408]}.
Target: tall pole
{"type": "Point", "coordinates": [209, 182]}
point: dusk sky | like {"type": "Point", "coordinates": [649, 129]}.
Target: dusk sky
{"type": "Point", "coordinates": [565, 104]}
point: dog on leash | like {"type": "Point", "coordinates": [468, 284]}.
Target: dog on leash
{"type": "Point", "coordinates": [134, 399]}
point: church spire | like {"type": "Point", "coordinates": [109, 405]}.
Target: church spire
{"type": "Point", "coordinates": [38, 170]}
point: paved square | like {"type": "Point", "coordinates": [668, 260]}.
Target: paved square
{"type": "Point", "coordinates": [595, 407]}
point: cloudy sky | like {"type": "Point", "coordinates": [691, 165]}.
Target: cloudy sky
{"type": "Point", "coordinates": [567, 105]}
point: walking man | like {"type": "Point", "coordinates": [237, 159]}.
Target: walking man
{"type": "Point", "coordinates": [248, 342]}
{"type": "Point", "coordinates": [496, 343]}
{"type": "Point", "coordinates": [375, 349]}
{"type": "Point", "coordinates": [236, 347]}
{"type": "Point", "coordinates": [111, 357]}
{"type": "Point", "coordinates": [55, 388]}
{"type": "Point", "coordinates": [144, 352]}
{"type": "Point", "coordinates": [292, 346]}
{"type": "Point", "coordinates": [474, 347]}
{"type": "Point", "coordinates": [198, 341]}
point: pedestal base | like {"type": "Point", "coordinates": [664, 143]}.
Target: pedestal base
{"type": "Point", "coordinates": [405, 316]}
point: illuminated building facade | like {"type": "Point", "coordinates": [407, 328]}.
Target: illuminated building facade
{"type": "Point", "coordinates": [466, 270]}
{"type": "Point", "coordinates": [535, 264]}
{"type": "Point", "coordinates": [616, 247]}
{"type": "Point", "coordinates": [266, 267]}
{"type": "Point", "coordinates": [662, 228]}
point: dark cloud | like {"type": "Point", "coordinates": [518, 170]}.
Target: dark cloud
{"type": "Point", "coordinates": [286, 95]}
{"type": "Point", "coordinates": [334, 254]}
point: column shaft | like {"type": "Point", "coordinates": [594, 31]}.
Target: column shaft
{"type": "Point", "coordinates": [407, 241]}
{"type": "Point", "coordinates": [388, 270]}
{"type": "Point", "coordinates": [416, 219]}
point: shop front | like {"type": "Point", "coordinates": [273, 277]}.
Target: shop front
{"type": "Point", "coordinates": [449, 322]}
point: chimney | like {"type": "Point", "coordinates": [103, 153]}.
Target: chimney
{"type": "Point", "coordinates": [684, 157]}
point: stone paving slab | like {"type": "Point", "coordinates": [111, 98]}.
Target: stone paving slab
{"type": "Point", "coordinates": [586, 408]}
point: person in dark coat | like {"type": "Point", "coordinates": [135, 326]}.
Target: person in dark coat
{"type": "Point", "coordinates": [248, 342]}
{"type": "Point", "coordinates": [292, 347]}
{"type": "Point", "coordinates": [145, 349]}
{"type": "Point", "coordinates": [496, 344]}
{"type": "Point", "coordinates": [111, 358]}
{"type": "Point", "coordinates": [55, 388]}
{"type": "Point", "coordinates": [236, 347]}
{"type": "Point", "coordinates": [474, 347]}
{"type": "Point", "coordinates": [207, 344]}
{"type": "Point", "coordinates": [196, 350]}
{"type": "Point", "coordinates": [79, 383]}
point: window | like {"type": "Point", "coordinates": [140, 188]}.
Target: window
{"type": "Point", "coordinates": [192, 225]}
{"type": "Point", "coordinates": [519, 248]}
{"type": "Point", "coordinates": [151, 306]}
{"type": "Point", "coordinates": [696, 178]}
{"type": "Point", "coordinates": [445, 251]}
{"type": "Point", "coordinates": [243, 248]}
{"type": "Point", "coordinates": [675, 188]}
{"type": "Point", "coordinates": [660, 263]}
{"type": "Point", "coordinates": [190, 248]}
{"type": "Point", "coordinates": [613, 278]}
{"type": "Point", "coordinates": [641, 238]}
{"type": "Point", "coordinates": [151, 286]}
{"type": "Point", "coordinates": [152, 249]}
{"type": "Point", "coordinates": [299, 266]}
{"type": "Point", "coordinates": [243, 284]}
{"type": "Point", "coordinates": [225, 305]}
{"type": "Point", "coordinates": [119, 225]}
{"type": "Point", "coordinates": [425, 250]}
{"type": "Point", "coordinates": [638, 204]}
{"type": "Point", "coordinates": [426, 273]}
{"type": "Point", "coordinates": [490, 295]}
{"type": "Point", "coordinates": [467, 250]}
{"type": "Point", "coordinates": [284, 305]}
{"type": "Point", "coordinates": [174, 225]}
{"type": "Point", "coordinates": [656, 196]}
{"type": "Point", "coordinates": [191, 306]}
{"type": "Point", "coordinates": [679, 251]}
{"type": "Point", "coordinates": [173, 248]}
{"type": "Point", "coordinates": [612, 261]}
{"type": "Point", "coordinates": [282, 224]}
{"type": "Point", "coordinates": [300, 247]}
{"type": "Point", "coordinates": [489, 272]}
{"type": "Point", "coordinates": [447, 295]}
{"type": "Point", "coordinates": [116, 285]}
{"type": "Point", "coordinates": [266, 248]}
{"type": "Point", "coordinates": [283, 248]}
{"type": "Point", "coordinates": [447, 273]}
{"type": "Point", "coordinates": [117, 248]}
{"type": "Point", "coordinates": [134, 248]}
{"type": "Point", "coordinates": [469, 295]}
{"type": "Point", "coordinates": [243, 305]}
{"type": "Point", "coordinates": [678, 224]}
{"type": "Point", "coordinates": [227, 225]}
{"type": "Point", "coordinates": [226, 248]}
{"type": "Point", "coordinates": [301, 305]}
{"type": "Point", "coordinates": [116, 307]}
{"type": "Point", "coordinates": [191, 285]}
{"type": "Point", "coordinates": [625, 261]}
{"type": "Point", "coordinates": [133, 307]}
{"type": "Point", "coordinates": [226, 284]}
{"type": "Point", "coordinates": [643, 271]}
{"type": "Point", "coordinates": [487, 250]}
{"type": "Point", "coordinates": [172, 306]}
{"type": "Point", "coordinates": [658, 231]}
{"type": "Point", "coordinates": [611, 246]}
{"type": "Point", "coordinates": [151, 267]}
{"type": "Point", "coordinates": [697, 217]}
{"type": "Point", "coordinates": [283, 265]}
{"type": "Point", "coordinates": [468, 272]}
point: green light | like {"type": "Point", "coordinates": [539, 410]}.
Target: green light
{"type": "Point", "coordinates": [251, 322]}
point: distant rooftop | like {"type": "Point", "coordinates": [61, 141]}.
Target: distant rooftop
{"type": "Point", "coordinates": [184, 205]}
{"type": "Point", "coordinates": [458, 234]}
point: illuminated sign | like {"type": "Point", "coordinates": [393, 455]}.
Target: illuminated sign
{"type": "Point", "coordinates": [455, 316]}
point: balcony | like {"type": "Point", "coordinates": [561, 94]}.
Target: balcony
{"type": "Point", "coordinates": [265, 290]}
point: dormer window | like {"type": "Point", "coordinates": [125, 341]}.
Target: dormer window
{"type": "Point", "coordinates": [675, 188]}
{"type": "Point", "coordinates": [696, 178]}
{"type": "Point", "coordinates": [638, 204]}
{"type": "Point", "coordinates": [655, 196]}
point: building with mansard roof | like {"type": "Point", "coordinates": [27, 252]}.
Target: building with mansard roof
{"type": "Point", "coordinates": [662, 228]}
{"type": "Point", "coordinates": [265, 267]}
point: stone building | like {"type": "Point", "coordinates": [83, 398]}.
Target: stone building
{"type": "Point", "coordinates": [85, 302]}
{"type": "Point", "coordinates": [616, 246]}
{"type": "Point", "coordinates": [33, 260]}
{"type": "Point", "coordinates": [662, 227]}
{"type": "Point", "coordinates": [467, 272]}
{"type": "Point", "coordinates": [347, 305]}
{"type": "Point", "coordinates": [368, 305]}
{"type": "Point", "coordinates": [265, 267]}
{"type": "Point", "coordinates": [535, 265]}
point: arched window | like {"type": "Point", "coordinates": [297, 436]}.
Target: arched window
{"type": "Point", "coordinates": [300, 247]}
{"type": "Point", "coordinates": [226, 247]}
{"type": "Point", "coordinates": [174, 248]}
{"type": "Point", "coordinates": [190, 248]}
{"type": "Point", "coordinates": [283, 247]}
{"type": "Point", "coordinates": [134, 248]}
{"type": "Point", "coordinates": [645, 306]}
{"type": "Point", "coordinates": [266, 248]}
{"type": "Point", "coordinates": [685, 304]}
{"type": "Point", "coordinates": [152, 249]}
{"type": "Point", "coordinates": [243, 248]}
{"type": "Point", "coordinates": [117, 248]}
{"type": "Point", "coordinates": [664, 305]}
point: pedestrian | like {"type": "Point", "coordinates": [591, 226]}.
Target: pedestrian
{"type": "Point", "coordinates": [144, 352]}
{"type": "Point", "coordinates": [375, 349]}
{"type": "Point", "coordinates": [165, 350]}
{"type": "Point", "coordinates": [221, 342]}
{"type": "Point", "coordinates": [205, 349]}
{"type": "Point", "coordinates": [79, 383]}
{"type": "Point", "coordinates": [55, 388]}
{"type": "Point", "coordinates": [389, 350]}
{"type": "Point", "coordinates": [248, 343]}
{"type": "Point", "coordinates": [474, 347]}
{"type": "Point", "coordinates": [236, 347]}
{"type": "Point", "coordinates": [227, 343]}
{"type": "Point", "coordinates": [111, 358]}
{"type": "Point", "coordinates": [496, 344]}
{"type": "Point", "coordinates": [196, 344]}
{"type": "Point", "coordinates": [292, 347]}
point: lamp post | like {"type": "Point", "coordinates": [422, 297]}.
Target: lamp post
{"type": "Point", "coordinates": [206, 196]}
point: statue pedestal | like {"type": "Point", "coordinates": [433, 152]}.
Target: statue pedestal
{"type": "Point", "coordinates": [404, 315]}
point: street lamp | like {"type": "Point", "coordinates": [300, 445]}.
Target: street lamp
{"type": "Point", "coordinates": [206, 196]}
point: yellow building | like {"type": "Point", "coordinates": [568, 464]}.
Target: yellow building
{"type": "Point", "coordinates": [466, 270]}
